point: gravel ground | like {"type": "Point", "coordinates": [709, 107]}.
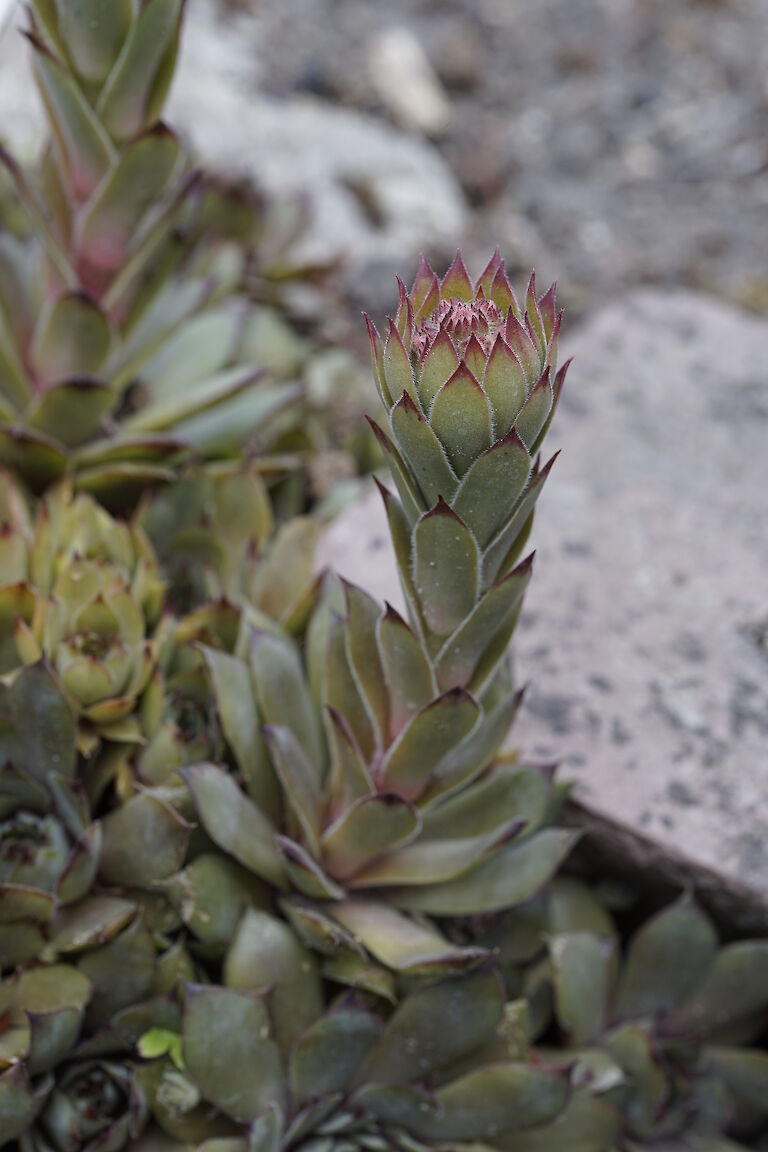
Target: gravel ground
{"type": "Point", "coordinates": [614, 142]}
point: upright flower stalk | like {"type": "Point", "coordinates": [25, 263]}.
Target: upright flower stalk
{"type": "Point", "coordinates": [468, 378]}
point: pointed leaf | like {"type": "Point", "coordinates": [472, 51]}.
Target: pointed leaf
{"type": "Point", "coordinates": [234, 823]}
{"type": "Point", "coordinates": [492, 486]}
{"type": "Point", "coordinates": [423, 452]}
{"type": "Point", "coordinates": [667, 958]}
{"type": "Point", "coordinates": [370, 828]}
{"type": "Point", "coordinates": [363, 655]}
{"type": "Point", "coordinates": [506, 793]}
{"type": "Point", "coordinates": [426, 740]}
{"type": "Point", "coordinates": [456, 284]}
{"type": "Point", "coordinates": [436, 368]}
{"type": "Point", "coordinates": [145, 840]}
{"type": "Point", "coordinates": [328, 1056]}
{"type": "Point", "coordinates": [425, 293]}
{"type": "Point", "coordinates": [265, 956]}
{"type": "Point", "coordinates": [505, 386]}
{"type": "Point", "coordinates": [228, 1051]}
{"type": "Point", "coordinates": [283, 693]}
{"type": "Point", "coordinates": [505, 548]}
{"type": "Point", "coordinates": [401, 943]}
{"type": "Point", "coordinates": [461, 419]}
{"type": "Point", "coordinates": [497, 1097]}
{"type": "Point", "coordinates": [348, 779]}
{"type": "Point", "coordinates": [524, 349]}
{"type": "Point", "coordinates": [84, 148]}
{"type": "Point", "coordinates": [436, 861]}
{"type": "Point", "coordinates": [410, 682]}
{"type": "Point", "coordinates": [513, 875]}
{"type": "Point", "coordinates": [535, 411]}
{"type": "Point", "coordinates": [135, 184]}
{"type": "Point", "coordinates": [584, 971]}
{"type": "Point", "coordinates": [300, 783]}
{"type": "Point", "coordinates": [73, 337]}
{"type": "Point", "coordinates": [341, 691]}
{"type": "Point", "coordinates": [489, 622]}
{"type": "Point", "coordinates": [134, 92]}
{"type": "Point", "coordinates": [446, 569]}
{"type": "Point", "coordinates": [71, 409]}
{"type": "Point", "coordinates": [434, 1027]}
{"type": "Point", "coordinates": [398, 373]}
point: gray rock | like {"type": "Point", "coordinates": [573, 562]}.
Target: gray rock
{"type": "Point", "coordinates": [645, 633]}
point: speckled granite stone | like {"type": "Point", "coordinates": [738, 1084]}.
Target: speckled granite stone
{"type": "Point", "coordinates": [644, 639]}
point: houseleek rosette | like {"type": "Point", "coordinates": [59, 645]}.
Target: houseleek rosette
{"type": "Point", "coordinates": [264, 1061]}
{"type": "Point", "coordinates": [125, 343]}
{"type": "Point", "coordinates": [469, 382]}
{"type": "Point", "coordinates": [93, 595]}
{"type": "Point", "coordinates": [663, 1031]}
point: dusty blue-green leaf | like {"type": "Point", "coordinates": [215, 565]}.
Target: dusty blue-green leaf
{"type": "Point", "coordinates": [514, 874]}
{"type": "Point", "coordinates": [584, 970]}
{"type": "Point", "coordinates": [134, 185]}
{"type": "Point", "coordinates": [461, 419]}
{"type": "Point", "coordinates": [145, 840]}
{"type": "Point", "coordinates": [423, 452]}
{"type": "Point", "coordinates": [234, 823]}
{"type": "Point", "coordinates": [328, 1056]}
{"type": "Point", "coordinates": [493, 484]}
{"type": "Point", "coordinates": [426, 740]}
{"type": "Point", "coordinates": [667, 958]}
{"type": "Point", "coordinates": [398, 373]}
{"type": "Point", "coordinates": [409, 678]}
{"type": "Point", "coordinates": [434, 1027]}
{"type": "Point", "coordinates": [265, 956]}
{"type": "Point", "coordinates": [135, 90]}
{"type": "Point", "coordinates": [587, 1124]}
{"type": "Point", "coordinates": [446, 569]}
{"type": "Point", "coordinates": [300, 783]}
{"type": "Point", "coordinates": [229, 1053]}
{"type": "Point", "coordinates": [363, 614]}
{"type": "Point", "coordinates": [369, 828]}
{"type": "Point", "coordinates": [73, 337]}
{"type": "Point", "coordinates": [37, 728]}
{"type": "Point", "coordinates": [83, 146]}
{"type": "Point", "coordinates": [535, 411]}
{"type": "Point", "coordinates": [121, 972]}
{"type": "Point", "coordinates": [486, 630]}
{"type": "Point", "coordinates": [401, 943]}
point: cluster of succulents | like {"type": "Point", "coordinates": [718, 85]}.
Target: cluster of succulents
{"type": "Point", "coordinates": [269, 878]}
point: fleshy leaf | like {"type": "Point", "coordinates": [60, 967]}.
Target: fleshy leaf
{"type": "Point", "coordinates": [456, 284]}
{"type": "Point", "coordinates": [423, 452]}
{"type": "Point", "coordinates": [234, 823]}
{"type": "Point", "coordinates": [434, 1027]}
{"type": "Point", "coordinates": [228, 1051]}
{"type": "Point", "coordinates": [446, 568]}
{"type": "Point", "coordinates": [73, 337]}
{"type": "Point", "coordinates": [511, 876]}
{"type": "Point", "coordinates": [401, 943]}
{"type": "Point", "coordinates": [144, 821]}
{"type": "Point", "coordinates": [535, 411]}
{"type": "Point", "coordinates": [667, 958]}
{"type": "Point", "coordinates": [398, 373]}
{"type": "Point", "coordinates": [265, 956]}
{"type": "Point", "coordinates": [410, 681]}
{"type": "Point", "coordinates": [584, 971]}
{"type": "Point", "coordinates": [370, 828]}
{"type": "Point", "coordinates": [436, 368]}
{"type": "Point", "coordinates": [461, 419]}
{"type": "Point", "coordinates": [328, 1056]}
{"type": "Point", "coordinates": [426, 740]}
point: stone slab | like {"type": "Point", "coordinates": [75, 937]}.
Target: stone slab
{"type": "Point", "coordinates": [644, 638]}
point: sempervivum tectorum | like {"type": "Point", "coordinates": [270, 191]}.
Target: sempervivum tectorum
{"type": "Point", "coordinates": [468, 379]}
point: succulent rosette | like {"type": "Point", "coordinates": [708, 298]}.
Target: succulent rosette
{"type": "Point", "coordinates": [659, 1030]}
{"type": "Point", "coordinates": [94, 1105]}
{"type": "Point", "coordinates": [215, 534]}
{"type": "Point", "coordinates": [95, 595]}
{"type": "Point", "coordinates": [263, 1060]}
{"type": "Point", "coordinates": [469, 383]}
{"type": "Point", "coordinates": [125, 343]}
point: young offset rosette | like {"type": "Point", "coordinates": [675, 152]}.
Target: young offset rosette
{"type": "Point", "coordinates": [468, 379]}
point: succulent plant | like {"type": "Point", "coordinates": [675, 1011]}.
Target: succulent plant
{"type": "Point", "coordinates": [468, 380]}
{"type": "Point", "coordinates": [281, 1069]}
{"type": "Point", "coordinates": [123, 345]}
{"type": "Point", "coordinates": [88, 594]}
{"type": "Point", "coordinates": [658, 1030]}
{"type": "Point", "coordinates": [215, 534]}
